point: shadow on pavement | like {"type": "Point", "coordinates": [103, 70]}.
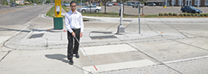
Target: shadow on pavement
{"type": "Point", "coordinates": [61, 58]}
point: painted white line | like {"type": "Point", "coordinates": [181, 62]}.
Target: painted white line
{"type": "Point", "coordinates": [107, 49]}
{"type": "Point", "coordinates": [188, 59]}
{"type": "Point", "coordinates": [117, 66]}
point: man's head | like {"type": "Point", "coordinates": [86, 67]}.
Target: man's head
{"type": "Point", "coordinates": [73, 6]}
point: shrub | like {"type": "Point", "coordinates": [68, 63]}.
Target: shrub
{"type": "Point", "coordinates": [205, 14]}
{"type": "Point", "coordinates": [161, 14]}
{"type": "Point", "coordinates": [184, 14]}
{"type": "Point", "coordinates": [202, 15]}
{"type": "Point", "coordinates": [180, 14]}
{"type": "Point", "coordinates": [175, 14]}
{"type": "Point", "coordinates": [188, 14]}
{"type": "Point", "coordinates": [166, 14]}
{"type": "Point", "coordinates": [170, 14]}
{"type": "Point", "coordinates": [192, 14]}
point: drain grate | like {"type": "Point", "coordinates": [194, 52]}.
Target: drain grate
{"type": "Point", "coordinates": [103, 37]}
{"type": "Point", "coordinates": [36, 35]}
{"type": "Point", "coordinates": [101, 32]}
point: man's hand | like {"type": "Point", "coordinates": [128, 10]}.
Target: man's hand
{"type": "Point", "coordinates": [81, 34]}
{"type": "Point", "coordinates": [73, 34]}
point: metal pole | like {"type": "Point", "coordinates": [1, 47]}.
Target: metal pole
{"type": "Point", "coordinates": [198, 4]}
{"type": "Point", "coordinates": [121, 28]}
{"type": "Point", "coordinates": [166, 2]}
{"type": "Point", "coordinates": [139, 17]}
{"type": "Point", "coordinates": [180, 3]}
{"type": "Point", "coordinates": [81, 3]}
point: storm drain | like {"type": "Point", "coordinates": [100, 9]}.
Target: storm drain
{"type": "Point", "coordinates": [36, 35]}
{"type": "Point", "coordinates": [103, 37]}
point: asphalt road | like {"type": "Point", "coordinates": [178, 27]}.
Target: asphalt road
{"type": "Point", "coordinates": [21, 15]}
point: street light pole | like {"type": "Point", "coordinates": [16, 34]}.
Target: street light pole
{"type": "Point", "coordinates": [121, 28]}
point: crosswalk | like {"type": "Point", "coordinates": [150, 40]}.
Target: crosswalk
{"type": "Point", "coordinates": [113, 49]}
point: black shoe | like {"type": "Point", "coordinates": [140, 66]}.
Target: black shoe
{"type": "Point", "coordinates": [71, 62]}
{"type": "Point", "coordinates": [77, 55]}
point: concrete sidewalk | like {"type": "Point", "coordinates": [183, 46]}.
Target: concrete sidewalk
{"type": "Point", "coordinates": [163, 46]}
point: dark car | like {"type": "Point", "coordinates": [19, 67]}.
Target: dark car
{"type": "Point", "coordinates": [190, 9]}
{"type": "Point", "coordinates": [151, 4]}
{"type": "Point", "coordinates": [136, 4]}
{"type": "Point", "coordinates": [13, 5]}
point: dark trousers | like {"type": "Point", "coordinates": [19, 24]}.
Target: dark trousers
{"type": "Point", "coordinates": [73, 45]}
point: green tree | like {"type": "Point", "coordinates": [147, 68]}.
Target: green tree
{"type": "Point", "coordinates": [49, 1]}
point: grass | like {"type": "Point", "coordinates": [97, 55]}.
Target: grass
{"type": "Point", "coordinates": [51, 12]}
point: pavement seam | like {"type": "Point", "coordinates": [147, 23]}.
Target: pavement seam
{"type": "Point", "coordinates": [161, 63]}
{"type": "Point", "coordinates": [5, 56]}
{"type": "Point", "coordinates": [189, 45]}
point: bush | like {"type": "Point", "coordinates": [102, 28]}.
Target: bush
{"type": "Point", "coordinates": [188, 14]}
{"type": "Point", "coordinates": [180, 14]}
{"type": "Point", "coordinates": [205, 14]}
{"type": "Point", "coordinates": [170, 14]}
{"type": "Point", "coordinates": [184, 14]}
{"type": "Point", "coordinates": [161, 14]}
{"type": "Point", "coordinates": [166, 14]}
{"type": "Point", "coordinates": [202, 15]}
{"type": "Point", "coordinates": [192, 14]}
{"type": "Point", "coordinates": [175, 14]}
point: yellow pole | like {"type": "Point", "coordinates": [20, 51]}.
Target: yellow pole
{"type": "Point", "coordinates": [57, 8]}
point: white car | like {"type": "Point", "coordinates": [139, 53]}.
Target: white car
{"type": "Point", "coordinates": [67, 4]}
{"type": "Point", "coordinates": [87, 9]}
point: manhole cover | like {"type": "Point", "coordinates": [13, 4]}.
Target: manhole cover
{"type": "Point", "coordinates": [36, 35]}
{"type": "Point", "coordinates": [103, 37]}
{"type": "Point", "coordinates": [101, 32]}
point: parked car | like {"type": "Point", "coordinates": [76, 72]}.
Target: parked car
{"type": "Point", "coordinates": [129, 4]}
{"type": "Point", "coordinates": [87, 9]}
{"type": "Point", "coordinates": [115, 4]}
{"type": "Point", "coordinates": [136, 4]}
{"type": "Point", "coordinates": [67, 4]}
{"type": "Point", "coordinates": [118, 4]}
{"type": "Point", "coordinates": [109, 4]}
{"type": "Point", "coordinates": [190, 9]}
{"type": "Point", "coordinates": [13, 5]}
{"type": "Point", "coordinates": [151, 4]}
{"type": "Point", "coordinates": [34, 4]}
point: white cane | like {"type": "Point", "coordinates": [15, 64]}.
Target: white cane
{"type": "Point", "coordinates": [86, 54]}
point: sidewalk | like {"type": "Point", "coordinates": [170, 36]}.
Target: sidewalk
{"type": "Point", "coordinates": [37, 49]}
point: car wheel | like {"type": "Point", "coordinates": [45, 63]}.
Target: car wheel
{"type": "Point", "coordinates": [96, 10]}
{"type": "Point", "coordinates": [83, 11]}
{"type": "Point", "coordinates": [183, 11]}
{"type": "Point", "coordinates": [132, 6]}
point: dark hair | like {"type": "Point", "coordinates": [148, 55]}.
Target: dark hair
{"type": "Point", "coordinates": [71, 2]}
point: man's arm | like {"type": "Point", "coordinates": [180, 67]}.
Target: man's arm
{"type": "Point", "coordinates": [81, 24]}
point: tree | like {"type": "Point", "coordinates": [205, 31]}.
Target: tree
{"type": "Point", "coordinates": [142, 2]}
{"type": "Point", "coordinates": [105, 1]}
{"type": "Point", "coordinates": [123, 3]}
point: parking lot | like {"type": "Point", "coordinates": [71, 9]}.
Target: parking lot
{"type": "Point", "coordinates": [148, 10]}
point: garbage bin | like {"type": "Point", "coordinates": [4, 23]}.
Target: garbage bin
{"type": "Point", "coordinates": [58, 22]}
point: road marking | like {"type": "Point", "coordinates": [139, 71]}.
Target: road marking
{"type": "Point", "coordinates": [117, 66]}
{"type": "Point", "coordinates": [187, 59]}
{"type": "Point", "coordinates": [107, 49]}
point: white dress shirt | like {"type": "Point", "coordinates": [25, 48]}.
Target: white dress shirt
{"type": "Point", "coordinates": [74, 21]}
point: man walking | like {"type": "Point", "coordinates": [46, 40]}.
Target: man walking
{"type": "Point", "coordinates": [75, 26]}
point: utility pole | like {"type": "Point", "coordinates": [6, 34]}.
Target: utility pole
{"type": "Point", "coordinates": [139, 18]}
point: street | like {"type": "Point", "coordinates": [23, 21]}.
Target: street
{"type": "Point", "coordinates": [164, 46]}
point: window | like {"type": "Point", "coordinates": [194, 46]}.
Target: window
{"type": "Point", "coordinates": [196, 2]}
{"type": "Point", "coordinates": [206, 2]}
{"type": "Point", "coordinates": [180, 1]}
